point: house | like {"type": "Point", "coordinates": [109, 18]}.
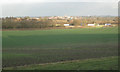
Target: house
{"type": "Point", "coordinates": [69, 25]}
{"type": "Point", "coordinates": [66, 24]}
{"type": "Point", "coordinates": [91, 24]}
{"type": "Point", "coordinates": [107, 24]}
{"type": "Point", "coordinates": [18, 19]}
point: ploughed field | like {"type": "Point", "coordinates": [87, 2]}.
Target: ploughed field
{"type": "Point", "coordinates": [48, 46]}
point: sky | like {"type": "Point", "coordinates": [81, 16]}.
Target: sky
{"type": "Point", "coordinates": [21, 1]}
{"type": "Point", "coordinates": [44, 8]}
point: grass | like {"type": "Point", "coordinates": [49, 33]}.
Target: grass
{"type": "Point", "coordinates": [106, 63]}
{"type": "Point", "coordinates": [47, 46]}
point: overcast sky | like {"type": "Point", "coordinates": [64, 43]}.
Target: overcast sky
{"type": "Point", "coordinates": [21, 1]}
{"type": "Point", "coordinates": [41, 8]}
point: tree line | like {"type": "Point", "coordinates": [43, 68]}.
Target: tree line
{"type": "Point", "coordinates": [14, 23]}
{"type": "Point", "coordinates": [10, 23]}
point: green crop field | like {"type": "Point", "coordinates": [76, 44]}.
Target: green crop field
{"type": "Point", "coordinates": [105, 63]}
{"type": "Point", "coordinates": [30, 47]}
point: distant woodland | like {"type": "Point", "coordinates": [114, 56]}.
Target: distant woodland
{"type": "Point", "coordinates": [28, 22]}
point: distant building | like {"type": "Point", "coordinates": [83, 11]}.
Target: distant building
{"type": "Point", "coordinates": [66, 24]}
{"type": "Point", "coordinates": [69, 25]}
{"type": "Point", "coordinates": [18, 19]}
{"type": "Point", "coordinates": [91, 24]}
{"type": "Point", "coordinates": [108, 24]}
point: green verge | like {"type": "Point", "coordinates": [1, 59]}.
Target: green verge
{"type": "Point", "coordinates": [104, 63]}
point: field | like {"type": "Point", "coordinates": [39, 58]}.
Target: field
{"type": "Point", "coordinates": [30, 47]}
{"type": "Point", "coordinates": [109, 63]}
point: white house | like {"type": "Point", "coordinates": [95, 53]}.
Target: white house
{"type": "Point", "coordinates": [107, 24]}
{"type": "Point", "coordinates": [91, 24]}
{"type": "Point", "coordinates": [66, 24]}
